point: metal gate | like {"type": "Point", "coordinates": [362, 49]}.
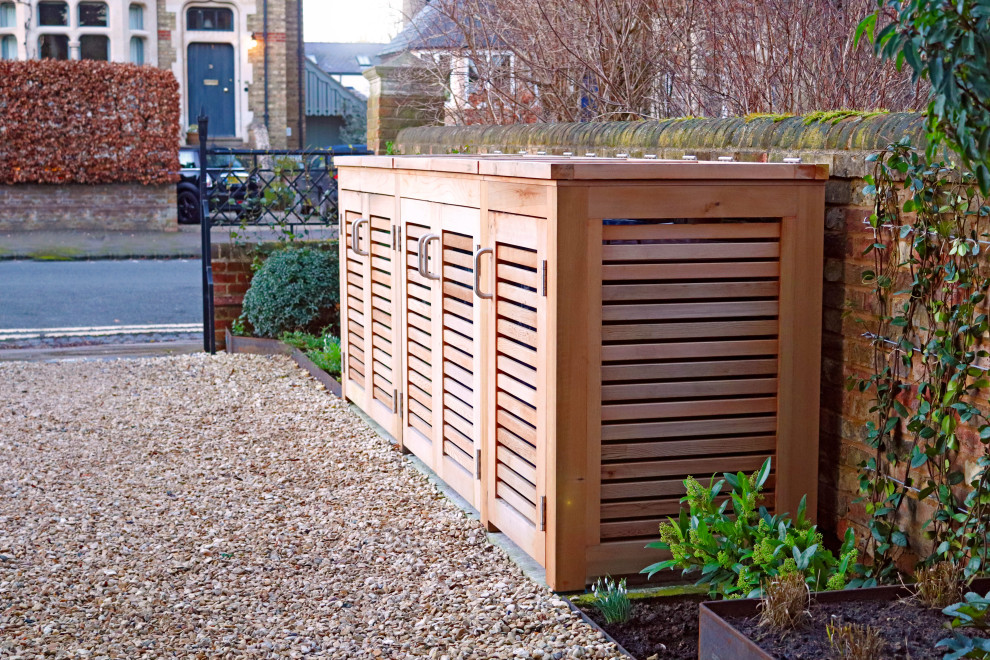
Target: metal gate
{"type": "Point", "coordinates": [286, 191]}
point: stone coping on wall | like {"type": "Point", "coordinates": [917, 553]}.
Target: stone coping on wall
{"type": "Point", "coordinates": [837, 139]}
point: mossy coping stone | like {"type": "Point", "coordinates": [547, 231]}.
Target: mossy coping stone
{"type": "Point", "coordinates": [840, 131]}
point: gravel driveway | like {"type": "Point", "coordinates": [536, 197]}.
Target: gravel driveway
{"type": "Point", "coordinates": [223, 507]}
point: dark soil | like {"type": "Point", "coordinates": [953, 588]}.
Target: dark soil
{"type": "Point", "coordinates": [911, 631]}
{"type": "Point", "coordinates": [666, 627]}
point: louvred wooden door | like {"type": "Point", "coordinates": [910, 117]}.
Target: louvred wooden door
{"type": "Point", "coordinates": [441, 423]}
{"type": "Point", "coordinates": [517, 381]}
{"type": "Point", "coordinates": [369, 296]}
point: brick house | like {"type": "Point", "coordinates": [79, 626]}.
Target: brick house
{"type": "Point", "coordinates": [240, 60]}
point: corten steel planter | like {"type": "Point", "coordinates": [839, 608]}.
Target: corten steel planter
{"type": "Point", "coordinates": [720, 640]}
{"type": "Point", "coordinates": [591, 622]}
{"type": "Point", "coordinates": [259, 346]}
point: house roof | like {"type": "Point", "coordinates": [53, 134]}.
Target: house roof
{"type": "Point", "coordinates": [325, 97]}
{"type": "Point", "coordinates": [342, 58]}
{"type": "Point", "coordinates": [429, 29]}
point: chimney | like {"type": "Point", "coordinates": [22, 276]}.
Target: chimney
{"type": "Point", "coordinates": [410, 8]}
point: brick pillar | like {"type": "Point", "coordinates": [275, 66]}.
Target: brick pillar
{"type": "Point", "coordinates": [404, 93]}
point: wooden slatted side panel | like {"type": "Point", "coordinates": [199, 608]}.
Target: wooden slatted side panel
{"type": "Point", "coordinates": [383, 362]}
{"type": "Point", "coordinates": [516, 414]}
{"type": "Point", "coordinates": [420, 344]}
{"type": "Point", "coordinates": [354, 307]}
{"type": "Point", "coordinates": [459, 349]}
{"type": "Point", "coordinates": [689, 362]}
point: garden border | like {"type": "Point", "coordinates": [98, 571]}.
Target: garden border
{"type": "Point", "coordinates": [591, 622]}
{"type": "Point", "coordinates": [722, 640]}
{"type": "Point", "coordinates": [259, 346]}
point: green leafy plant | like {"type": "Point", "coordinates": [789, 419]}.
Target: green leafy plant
{"type": "Point", "coordinates": [296, 289]}
{"type": "Point", "coordinates": [327, 357]}
{"type": "Point", "coordinates": [947, 43]}
{"type": "Point", "coordinates": [972, 612]}
{"type": "Point", "coordinates": [612, 599]}
{"type": "Point", "coordinates": [304, 341]}
{"type": "Point", "coordinates": [930, 281]}
{"type": "Point", "coordinates": [238, 327]}
{"type": "Point", "coordinates": [852, 641]}
{"type": "Point", "coordinates": [737, 546]}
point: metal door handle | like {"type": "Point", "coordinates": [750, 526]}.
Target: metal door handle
{"type": "Point", "coordinates": [419, 254]}
{"type": "Point", "coordinates": [424, 256]}
{"type": "Point", "coordinates": [356, 236]}
{"type": "Point", "coordinates": [477, 273]}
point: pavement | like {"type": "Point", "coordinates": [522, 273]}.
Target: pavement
{"type": "Point", "coordinates": [85, 245]}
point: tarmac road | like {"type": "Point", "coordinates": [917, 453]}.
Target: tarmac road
{"type": "Point", "coordinates": [86, 294]}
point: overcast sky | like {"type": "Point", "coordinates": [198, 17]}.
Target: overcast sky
{"type": "Point", "coordinates": [351, 20]}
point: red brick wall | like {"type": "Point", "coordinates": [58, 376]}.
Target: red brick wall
{"type": "Point", "coordinates": [231, 280]}
{"type": "Point", "coordinates": [98, 207]}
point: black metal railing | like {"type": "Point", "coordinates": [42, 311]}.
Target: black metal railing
{"type": "Point", "coordinates": [288, 191]}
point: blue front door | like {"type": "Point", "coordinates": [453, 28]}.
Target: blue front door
{"type": "Point", "coordinates": [211, 87]}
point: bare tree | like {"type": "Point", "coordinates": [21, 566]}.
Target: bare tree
{"type": "Point", "coordinates": [512, 61]}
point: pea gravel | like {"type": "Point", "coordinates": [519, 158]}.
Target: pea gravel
{"type": "Point", "coordinates": [227, 507]}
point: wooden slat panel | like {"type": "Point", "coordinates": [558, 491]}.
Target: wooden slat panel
{"type": "Point", "coordinates": [737, 309]}
{"type": "Point", "coordinates": [417, 408]}
{"type": "Point", "coordinates": [700, 330]}
{"type": "Point", "coordinates": [357, 351]}
{"type": "Point", "coordinates": [382, 251]}
{"type": "Point", "coordinates": [454, 290]}
{"type": "Point", "coordinates": [692, 447]}
{"type": "Point", "coordinates": [463, 424]}
{"type": "Point", "coordinates": [421, 425]}
{"type": "Point", "coordinates": [381, 277]}
{"type": "Point", "coordinates": [519, 389]}
{"type": "Point", "coordinates": [689, 350]}
{"type": "Point", "coordinates": [702, 427]}
{"type": "Point", "coordinates": [457, 275]}
{"type": "Point", "coordinates": [688, 271]}
{"type": "Point", "coordinates": [458, 390]}
{"type": "Point", "coordinates": [458, 357]}
{"type": "Point", "coordinates": [652, 488]}
{"type": "Point", "coordinates": [421, 381]}
{"type": "Point", "coordinates": [457, 453]}
{"type": "Point", "coordinates": [458, 373]}
{"type": "Point", "coordinates": [414, 305]}
{"type": "Point", "coordinates": [418, 365]}
{"type": "Point", "coordinates": [517, 313]}
{"type": "Point", "coordinates": [517, 427]}
{"type": "Point", "coordinates": [515, 350]}
{"type": "Point", "coordinates": [525, 411]}
{"type": "Point", "coordinates": [460, 432]}
{"type": "Point", "coordinates": [691, 251]}
{"type": "Point", "coordinates": [516, 501]}
{"type": "Point", "coordinates": [519, 484]}
{"type": "Point", "coordinates": [644, 508]}
{"type": "Point", "coordinates": [384, 397]}
{"type": "Point", "coordinates": [753, 367]}
{"type": "Point", "coordinates": [703, 408]}
{"type": "Point", "coordinates": [515, 255]}
{"type": "Point", "coordinates": [414, 348]}
{"type": "Point", "coordinates": [380, 342]}
{"type": "Point", "coordinates": [456, 258]}
{"type": "Point", "coordinates": [504, 455]}
{"type": "Point", "coordinates": [419, 322]}
{"type": "Point", "coordinates": [522, 372]}
{"type": "Point", "coordinates": [462, 408]}
{"type": "Point", "coordinates": [694, 290]}
{"type": "Point", "coordinates": [683, 390]}
{"type": "Point", "coordinates": [420, 395]}
{"type": "Point", "coordinates": [699, 230]}
{"type": "Point", "coordinates": [458, 241]}
{"type": "Point", "coordinates": [511, 273]}
{"type": "Point", "coordinates": [458, 324]}
{"type": "Point", "coordinates": [418, 291]}
{"type": "Point", "coordinates": [424, 339]}
{"type": "Point", "coordinates": [458, 307]}
{"type": "Point", "coordinates": [515, 331]}
{"type": "Point", "coordinates": [458, 340]}
{"type": "Point", "coordinates": [381, 379]}
{"type": "Point", "coordinates": [507, 291]}
{"type": "Point", "coordinates": [682, 468]}
{"type": "Point", "coordinates": [381, 291]}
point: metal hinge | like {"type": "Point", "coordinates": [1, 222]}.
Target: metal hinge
{"type": "Point", "coordinates": [477, 463]}
{"type": "Point", "coordinates": [543, 513]}
{"type": "Point", "coordinates": [343, 361]}
{"type": "Point", "coordinates": [393, 240]}
{"type": "Point", "coordinates": [399, 399]}
{"type": "Point", "coordinates": [399, 241]}
{"type": "Point", "coordinates": [544, 278]}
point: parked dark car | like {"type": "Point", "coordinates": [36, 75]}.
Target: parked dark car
{"type": "Point", "coordinates": [229, 185]}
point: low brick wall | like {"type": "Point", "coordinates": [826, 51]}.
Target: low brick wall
{"type": "Point", "coordinates": [842, 145]}
{"type": "Point", "coordinates": [98, 207]}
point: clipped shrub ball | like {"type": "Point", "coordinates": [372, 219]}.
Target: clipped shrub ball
{"type": "Point", "coordinates": [296, 289]}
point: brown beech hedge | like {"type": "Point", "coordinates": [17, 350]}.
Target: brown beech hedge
{"type": "Point", "coordinates": [87, 122]}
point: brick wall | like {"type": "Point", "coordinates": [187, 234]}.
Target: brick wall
{"type": "Point", "coordinates": [843, 146]}
{"type": "Point", "coordinates": [403, 94]}
{"type": "Point", "coordinates": [110, 207]}
{"type": "Point", "coordinates": [232, 278]}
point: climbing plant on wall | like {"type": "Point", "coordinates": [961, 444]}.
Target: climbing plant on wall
{"type": "Point", "coordinates": [931, 229]}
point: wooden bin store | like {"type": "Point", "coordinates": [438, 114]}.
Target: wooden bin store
{"type": "Point", "coordinates": [563, 341]}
